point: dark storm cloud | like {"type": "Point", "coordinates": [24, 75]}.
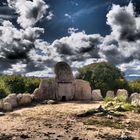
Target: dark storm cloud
{"type": "Point", "coordinates": [16, 44]}
{"type": "Point", "coordinates": [78, 46]}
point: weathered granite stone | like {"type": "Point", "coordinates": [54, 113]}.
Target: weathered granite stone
{"type": "Point", "coordinates": [135, 99]}
{"type": "Point", "coordinates": [12, 99]}
{"type": "Point", "coordinates": [65, 91]}
{"type": "Point", "coordinates": [63, 73]}
{"type": "Point", "coordinates": [122, 94]}
{"type": "Point", "coordinates": [1, 104]}
{"type": "Point", "coordinates": [47, 89]}
{"type": "Point", "coordinates": [82, 90]}
{"type": "Point", "coordinates": [24, 99]}
{"type": "Point", "coordinates": [7, 107]}
{"type": "Point", "coordinates": [110, 94]}
{"type": "Point", "coordinates": [96, 95]}
{"type": "Point", "coordinates": [38, 94]}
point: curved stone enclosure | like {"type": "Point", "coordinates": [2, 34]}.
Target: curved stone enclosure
{"type": "Point", "coordinates": [63, 87]}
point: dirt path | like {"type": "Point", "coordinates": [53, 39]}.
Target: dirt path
{"type": "Point", "coordinates": [58, 122]}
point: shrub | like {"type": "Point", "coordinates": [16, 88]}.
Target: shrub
{"type": "Point", "coordinates": [134, 86]}
{"type": "Point", "coordinates": [15, 83]}
{"type": "Point", "coordinates": [108, 99]}
{"type": "Point", "coordinates": [20, 84]}
{"type": "Point", "coordinates": [4, 91]}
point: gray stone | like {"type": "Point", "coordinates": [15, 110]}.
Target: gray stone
{"type": "Point", "coordinates": [122, 94]}
{"type": "Point", "coordinates": [7, 107]}
{"type": "Point", "coordinates": [110, 94]}
{"type": "Point", "coordinates": [96, 95]}
{"type": "Point", "coordinates": [51, 102]}
{"type": "Point", "coordinates": [82, 90]}
{"type": "Point", "coordinates": [63, 72]}
{"type": "Point", "coordinates": [47, 90]}
{"type": "Point", "coordinates": [1, 104]}
{"type": "Point", "coordinates": [12, 99]}
{"type": "Point", "coordinates": [24, 99]}
{"type": "Point", "coordinates": [38, 94]}
{"type": "Point", "coordinates": [135, 99]}
{"type": "Point", "coordinates": [2, 114]}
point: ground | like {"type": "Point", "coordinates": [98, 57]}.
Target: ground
{"type": "Point", "coordinates": [59, 122]}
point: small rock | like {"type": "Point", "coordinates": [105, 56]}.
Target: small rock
{"type": "Point", "coordinates": [109, 117]}
{"type": "Point", "coordinates": [1, 105]}
{"type": "Point", "coordinates": [7, 107]}
{"type": "Point", "coordinates": [2, 114]}
{"type": "Point", "coordinates": [51, 102]}
{"type": "Point", "coordinates": [44, 102]}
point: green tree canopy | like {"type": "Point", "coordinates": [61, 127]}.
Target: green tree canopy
{"type": "Point", "coordinates": [104, 76]}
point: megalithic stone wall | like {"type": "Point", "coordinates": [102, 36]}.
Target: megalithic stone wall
{"type": "Point", "coordinates": [64, 87]}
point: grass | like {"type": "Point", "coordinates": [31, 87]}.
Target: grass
{"type": "Point", "coordinates": [105, 123]}
{"type": "Point", "coordinates": [108, 99]}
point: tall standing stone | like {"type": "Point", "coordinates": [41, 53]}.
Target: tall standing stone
{"type": "Point", "coordinates": [63, 73]}
{"type": "Point", "coordinates": [64, 79]}
{"type": "Point", "coordinates": [82, 90]}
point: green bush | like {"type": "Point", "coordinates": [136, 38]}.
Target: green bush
{"type": "Point", "coordinates": [108, 99]}
{"type": "Point", "coordinates": [31, 84]}
{"type": "Point", "coordinates": [4, 91]}
{"type": "Point", "coordinates": [20, 84]}
{"type": "Point", "coordinates": [15, 83]}
{"type": "Point", "coordinates": [103, 76]}
{"type": "Point", "coordinates": [134, 86]}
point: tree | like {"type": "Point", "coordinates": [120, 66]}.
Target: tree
{"type": "Point", "coordinates": [104, 76]}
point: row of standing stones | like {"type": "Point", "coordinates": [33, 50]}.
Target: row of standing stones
{"type": "Point", "coordinates": [63, 88]}
{"type": "Point", "coordinates": [16, 100]}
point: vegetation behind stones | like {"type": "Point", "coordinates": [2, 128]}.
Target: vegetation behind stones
{"type": "Point", "coordinates": [17, 84]}
{"type": "Point", "coordinates": [103, 76]}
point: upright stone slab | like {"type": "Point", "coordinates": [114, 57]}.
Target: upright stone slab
{"type": "Point", "coordinates": [96, 95]}
{"type": "Point", "coordinates": [82, 90]}
{"type": "Point", "coordinates": [64, 79]}
{"type": "Point", "coordinates": [110, 94]}
{"type": "Point", "coordinates": [122, 94]}
{"type": "Point", "coordinates": [63, 73]}
{"type": "Point", "coordinates": [135, 99]}
{"type": "Point", "coordinates": [48, 89]}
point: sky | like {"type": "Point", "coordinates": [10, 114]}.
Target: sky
{"type": "Point", "coordinates": [36, 34]}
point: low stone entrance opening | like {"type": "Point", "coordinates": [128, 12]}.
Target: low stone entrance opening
{"type": "Point", "coordinates": [63, 99]}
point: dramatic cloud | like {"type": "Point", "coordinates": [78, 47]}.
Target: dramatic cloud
{"type": "Point", "coordinates": [30, 12]}
{"type": "Point", "coordinates": [18, 44]}
{"type": "Point", "coordinates": [21, 50]}
{"type": "Point", "coordinates": [121, 47]}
